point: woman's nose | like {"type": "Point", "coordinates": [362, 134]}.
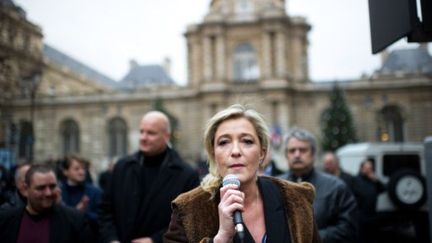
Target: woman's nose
{"type": "Point", "coordinates": [236, 150]}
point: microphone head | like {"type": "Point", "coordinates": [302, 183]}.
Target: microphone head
{"type": "Point", "coordinates": [231, 179]}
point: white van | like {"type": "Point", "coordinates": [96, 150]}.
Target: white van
{"type": "Point", "coordinates": [401, 167]}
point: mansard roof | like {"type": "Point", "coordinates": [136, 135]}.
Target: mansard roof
{"type": "Point", "coordinates": [9, 4]}
{"type": "Point", "coordinates": [146, 75]}
{"type": "Point", "coordinates": [408, 61]}
{"type": "Point", "coordinates": [78, 67]}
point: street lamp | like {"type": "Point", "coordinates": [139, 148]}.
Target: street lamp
{"type": "Point", "coordinates": [32, 85]}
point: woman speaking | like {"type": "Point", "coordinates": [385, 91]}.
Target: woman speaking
{"type": "Point", "coordinates": [269, 209]}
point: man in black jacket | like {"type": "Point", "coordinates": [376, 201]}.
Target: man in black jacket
{"type": "Point", "coordinates": [335, 207]}
{"type": "Point", "coordinates": [331, 165]}
{"type": "Point", "coordinates": [136, 207]}
{"type": "Point", "coordinates": [17, 197]}
{"type": "Point", "coordinates": [43, 219]}
{"type": "Point", "coordinates": [367, 188]}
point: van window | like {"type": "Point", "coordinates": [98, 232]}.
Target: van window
{"type": "Point", "coordinates": [396, 162]}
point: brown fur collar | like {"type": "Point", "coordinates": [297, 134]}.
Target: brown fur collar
{"type": "Point", "coordinates": [200, 218]}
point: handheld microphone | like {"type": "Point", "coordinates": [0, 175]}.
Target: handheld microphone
{"type": "Point", "coordinates": [238, 220]}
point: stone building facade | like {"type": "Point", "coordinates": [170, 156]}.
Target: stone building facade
{"type": "Point", "coordinates": [244, 51]}
{"type": "Point", "coordinates": [20, 69]}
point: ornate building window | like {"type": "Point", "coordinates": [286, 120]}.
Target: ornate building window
{"type": "Point", "coordinates": [69, 132]}
{"type": "Point", "coordinates": [245, 63]}
{"type": "Point", "coordinates": [391, 124]}
{"type": "Point", "coordinates": [117, 133]}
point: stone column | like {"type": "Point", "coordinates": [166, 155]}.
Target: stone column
{"type": "Point", "coordinates": [280, 54]}
{"type": "Point", "coordinates": [220, 57]}
{"type": "Point", "coordinates": [207, 60]}
{"type": "Point", "coordinates": [266, 70]}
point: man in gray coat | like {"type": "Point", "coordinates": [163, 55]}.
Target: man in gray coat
{"type": "Point", "coordinates": [335, 206]}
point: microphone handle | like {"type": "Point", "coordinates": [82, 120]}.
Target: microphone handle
{"type": "Point", "coordinates": [238, 219]}
{"type": "Point", "coordinates": [238, 223]}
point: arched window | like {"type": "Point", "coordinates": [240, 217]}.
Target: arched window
{"type": "Point", "coordinates": [117, 133]}
{"type": "Point", "coordinates": [245, 63]}
{"type": "Point", "coordinates": [26, 141]}
{"type": "Point", "coordinates": [69, 132]}
{"type": "Point", "coordinates": [391, 127]}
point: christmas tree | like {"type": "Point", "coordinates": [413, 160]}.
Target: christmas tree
{"type": "Point", "coordinates": [336, 122]}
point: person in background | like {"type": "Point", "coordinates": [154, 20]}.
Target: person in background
{"type": "Point", "coordinates": [331, 165]}
{"type": "Point", "coordinates": [335, 207]}
{"type": "Point", "coordinates": [4, 185]}
{"type": "Point", "coordinates": [18, 197]}
{"type": "Point", "coordinates": [76, 192]}
{"type": "Point", "coordinates": [43, 219]}
{"type": "Point", "coordinates": [201, 165]}
{"type": "Point", "coordinates": [105, 176]}
{"type": "Point", "coordinates": [269, 167]}
{"type": "Point", "coordinates": [136, 205]}
{"type": "Point", "coordinates": [367, 187]}
{"type": "Point", "coordinates": [274, 210]}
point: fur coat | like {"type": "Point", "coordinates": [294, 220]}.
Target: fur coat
{"type": "Point", "coordinates": [195, 216]}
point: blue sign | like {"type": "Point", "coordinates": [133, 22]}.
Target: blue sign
{"type": "Point", "coordinates": [7, 158]}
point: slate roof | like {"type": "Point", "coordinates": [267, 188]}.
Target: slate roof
{"type": "Point", "coordinates": [146, 75]}
{"type": "Point", "coordinates": [409, 61]}
{"type": "Point", "coordinates": [7, 3]}
{"type": "Point", "coordinates": [11, 5]}
{"type": "Point", "coordinates": [78, 67]}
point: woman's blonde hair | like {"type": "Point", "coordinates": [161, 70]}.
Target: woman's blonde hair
{"type": "Point", "coordinates": [212, 181]}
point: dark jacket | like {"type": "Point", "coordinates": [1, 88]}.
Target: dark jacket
{"type": "Point", "coordinates": [348, 179]}
{"type": "Point", "coordinates": [366, 192]}
{"type": "Point", "coordinates": [67, 225]}
{"type": "Point", "coordinates": [335, 207]}
{"type": "Point", "coordinates": [122, 217]}
{"type": "Point", "coordinates": [71, 196]}
{"type": "Point", "coordinates": [287, 207]}
{"type": "Point", "coordinates": [14, 200]}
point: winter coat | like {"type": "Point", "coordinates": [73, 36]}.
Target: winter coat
{"type": "Point", "coordinates": [287, 208]}
{"type": "Point", "coordinates": [123, 217]}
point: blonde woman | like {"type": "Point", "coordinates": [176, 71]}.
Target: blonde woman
{"type": "Point", "coordinates": [273, 210]}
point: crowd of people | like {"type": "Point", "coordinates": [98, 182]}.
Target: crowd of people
{"type": "Point", "coordinates": [153, 195]}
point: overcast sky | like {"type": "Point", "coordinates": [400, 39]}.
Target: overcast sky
{"type": "Point", "coordinates": [107, 34]}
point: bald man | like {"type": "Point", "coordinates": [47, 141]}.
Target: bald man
{"type": "Point", "coordinates": [331, 165]}
{"type": "Point", "coordinates": [18, 198]}
{"type": "Point", "coordinates": [136, 206]}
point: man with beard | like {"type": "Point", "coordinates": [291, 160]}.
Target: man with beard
{"type": "Point", "coordinates": [136, 206]}
{"type": "Point", "coordinates": [335, 207]}
{"type": "Point", "coordinates": [43, 219]}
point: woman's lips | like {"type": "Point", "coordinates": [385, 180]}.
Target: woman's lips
{"type": "Point", "coordinates": [236, 166]}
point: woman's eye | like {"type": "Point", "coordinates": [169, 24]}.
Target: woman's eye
{"type": "Point", "coordinates": [248, 141]}
{"type": "Point", "coordinates": [222, 142]}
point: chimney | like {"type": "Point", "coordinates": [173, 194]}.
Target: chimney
{"type": "Point", "coordinates": [133, 64]}
{"type": "Point", "coordinates": [167, 65]}
{"type": "Point", "coordinates": [384, 55]}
